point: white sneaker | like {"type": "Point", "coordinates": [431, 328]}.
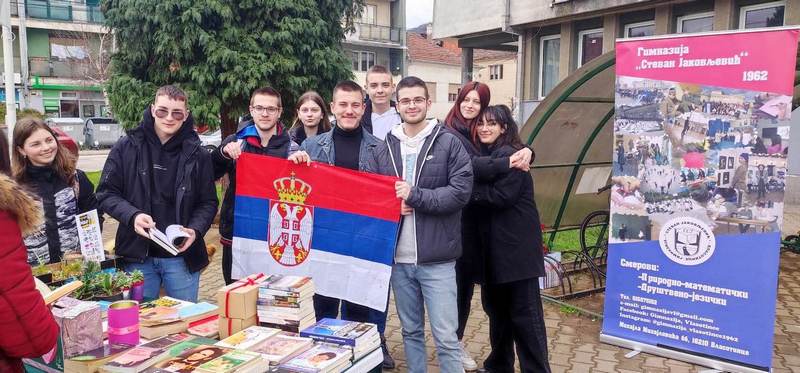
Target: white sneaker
{"type": "Point", "coordinates": [467, 360]}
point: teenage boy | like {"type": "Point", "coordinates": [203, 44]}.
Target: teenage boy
{"type": "Point", "coordinates": [157, 176]}
{"type": "Point", "coordinates": [264, 135]}
{"type": "Point", "coordinates": [380, 114]}
{"type": "Point", "coordinates": [437, 183]}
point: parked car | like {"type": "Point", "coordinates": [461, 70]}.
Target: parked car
{"type": "Point", "coordinates": [65, 140]}
{"type": "Point", "coordinates": [211, 140]}
{"type": "Point", "coordinates": [101, 132]}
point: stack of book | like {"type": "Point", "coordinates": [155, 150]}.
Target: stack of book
{"type": "Point", "coordinates": [286, 303]}
{"type": "Point", "coordinates": [167, 315]}
{"type": "Point", "coordinates": [143, 356]}
{"type": "Point", "coordinates": [362, 338]}
{"type": "Point", "coordinates": [322, 358]}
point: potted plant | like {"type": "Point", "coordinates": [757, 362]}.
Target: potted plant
{"type": "Point", "coordinates": [137, 285]}
{"type": "Point", "coordinates": [107, 288]}
{"type": "Point", "coordinates": [41, 271]}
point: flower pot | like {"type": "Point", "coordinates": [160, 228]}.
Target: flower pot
{"type": "Point", "coordinates": [111, 298]}
{"type": "Point", "coordinates": [137, 292]}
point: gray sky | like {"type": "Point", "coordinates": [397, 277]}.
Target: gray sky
{"type": "Point", "coordinates": [418, 12]}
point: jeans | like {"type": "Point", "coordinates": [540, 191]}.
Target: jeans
{"type": "Point", "coordinates": [434, 285]}
{"type": "Point", "coordinates": [170, 272]}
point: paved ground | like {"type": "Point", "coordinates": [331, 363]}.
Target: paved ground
{"type": "Point", "coordinates": [92, 160]}
{"type": "Point", "coordinates": [573, 340]}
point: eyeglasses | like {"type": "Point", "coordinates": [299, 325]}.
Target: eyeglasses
{"type": "Point", "coordinates": [176, 114]}
{"type": "Point", "coordinates": [271, 110]}
{"type": "Point", "coordinates": [418, 101]}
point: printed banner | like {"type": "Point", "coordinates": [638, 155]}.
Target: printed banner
{"type": "Point", "coordinates": [336, 225]}
{"type": "Point", "coordinates": [699, 170]}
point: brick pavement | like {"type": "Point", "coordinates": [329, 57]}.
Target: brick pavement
{"type": "Point", "coordinates": [573, 340]}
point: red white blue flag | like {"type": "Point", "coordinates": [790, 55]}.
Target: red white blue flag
{"type": "Point", "coordinates": [336, 225]}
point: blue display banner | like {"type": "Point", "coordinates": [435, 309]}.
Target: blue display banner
{"type": "Point", "coordinates": [724, 307]}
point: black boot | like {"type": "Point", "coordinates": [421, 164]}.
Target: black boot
{"type": "Point", "coordinates": [388, 361]}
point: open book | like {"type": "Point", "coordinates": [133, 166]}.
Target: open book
{"type": "Point", "coordinates": [169, 240]}
{"type": "Point", "coordinates": [51, 296]}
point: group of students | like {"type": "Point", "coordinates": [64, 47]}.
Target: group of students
{"type": "Point", "coordinates": [466, 196]}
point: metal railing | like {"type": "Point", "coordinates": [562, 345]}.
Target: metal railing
{"type": "Point", "coordinates": [60, 10]}
{"type": "Point", "coordinates": [379, 33]}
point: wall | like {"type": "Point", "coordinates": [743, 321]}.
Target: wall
{"type": "Point", "coordinates": [458, 17]}
{"type": "Point", "coordinates": [503, 90]}
{"type": "Point", "coordinates": [383, 12]}
{"type": "Point", "coordinates": [441, 74]}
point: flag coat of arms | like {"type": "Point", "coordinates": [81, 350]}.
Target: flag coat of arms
{"type": "Point", "coordinates": [336, 225]}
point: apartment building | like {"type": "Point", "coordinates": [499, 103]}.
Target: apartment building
{"type": "Point", "coordinates": [65, 58]}
{"type": "Point", "coordinates": [379, 38]}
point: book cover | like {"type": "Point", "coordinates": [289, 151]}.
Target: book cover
{"type": "Point", "coordinates": [281, 347]}
{"type": "Point", "coordinates": [207, 327]}
{"type": "Point", "coordinates": [194, 312]}
{"type": "Point", "coordinates": [331, 330]}
{"type": "Point", "coordinates": [189, 360]}
{"type": "Point", "coordinates": [248, 338]}
{"type": "Point", "coordinates": [141, 355]}
{"type": "Point", "coordinates": [287, 283]}
{"type": "Point", "coordinates": [229, 362]}
{"type": "Point", "coordinates": [321, 357]}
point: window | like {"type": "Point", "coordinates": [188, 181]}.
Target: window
{"type": "Point", "coordinates": [549, 49]}
{"type": "Point", "coordinates": [762, 15]}
{"type": "Point", "coordinates": [431, 90]}
{"type": "Point", "coordinates": [640, 29]}
{"type": "Point", "coordinates": [452, 92]}
{"type": "Point", "coordinates": [699, 22]}
{"type": "Point", "coordinates": [363, 60]}
{"type": "Point", "coordinates": [64, 49]}
{"type": "Point", "coordinates": [495, 72]}
{"type": "Point", "coordinates": [590, 45]}
{"type": "Point", "coordinates": [369, 14]}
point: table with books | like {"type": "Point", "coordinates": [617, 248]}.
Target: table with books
{"type": "Point", "coordinates": [179, 336]}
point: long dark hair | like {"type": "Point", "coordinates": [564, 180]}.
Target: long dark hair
{"type": "Point", "coordinates": [63, 164]}
{"type": "Point", "coordinates": [455, 112]}
{"type": "Point", "coordinates": [324, 123]}
{"type": "Point", "coordinates": [501, 114]}
{"type": "Point", "coordinates": [5, 158]}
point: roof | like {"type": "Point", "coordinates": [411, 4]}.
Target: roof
{"type": "Point", "coordinates": [426, 50]}
{"type": "Point", "coordinates": [422, 49]}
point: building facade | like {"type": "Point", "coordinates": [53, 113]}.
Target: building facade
{"type": "Point", "coordinates": [553, 38]}
{"type": "Point", "coordinates": [379, 38]}
{"type": "Point", "coordinates": [65, 59]}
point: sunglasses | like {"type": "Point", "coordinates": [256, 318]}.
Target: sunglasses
{"type": "Point", "coordinates": [177, 114]}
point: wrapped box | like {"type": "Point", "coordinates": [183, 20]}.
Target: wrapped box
{"type": "Point", "coordinates": [238, 300]}
{"type": "Point", "coordinates": [231, 326]}
{"type": "Point", "coordinates": [81, 325]}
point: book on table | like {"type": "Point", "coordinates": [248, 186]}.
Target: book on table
{"type": "Point", "coordinates": [281, 348]}
{"type": "Point", "coordinates": [342, 332]}
{"type": "Point", "coordinates": [143, 356]}
{"type": "Point", "coordinates": [365, 364]}
{"type": "Point", "coordinates": [190, 360]}
{"type": "Point", "coordinates": [323, 358]}
{"type": "Point", "coordinates": [171, 239]}
{"type": "Point", "coordinates": [233, 361]}
{"type": "Point", "coordinates": [248, 338]}
{"type": "Point", "coordinates": [208, 327]}
{"type": "Point", "coordinates": [90, 361]}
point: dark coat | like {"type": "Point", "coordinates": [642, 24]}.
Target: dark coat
{"type": "Point", "coordinates": [512, 232]}
{"type": "Point", "coordinates": [366, 119]}
{"type": "Point", "coordinates": [125, 191]}
{"type": "Point", "coordinates": [28, 328]}
{"type": "Point", "coordinates": [442, 189]}
{"type": "Point", "coordinates": [279, 145]}
{"type": "Point", "coordinates": [59, 234]}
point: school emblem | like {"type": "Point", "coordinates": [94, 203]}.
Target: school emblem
{"type": "Point", "coordinates": [291, 222]}
{"type": "Point", "coordinates": [687, 241]}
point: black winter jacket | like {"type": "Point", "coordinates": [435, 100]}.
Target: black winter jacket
{"type": "Point", "coordinates": [125, 191]}
{"type": "Point", "coordinates": [512, 239]}
{"type": "Point", "coordinates": [279, 145]}
{"type": "Point", "coordinates": [366, 119]}
{"type": "Point", "coordinates": [443, 187]}
{"type": "Point", "coordinates": [59, 234]}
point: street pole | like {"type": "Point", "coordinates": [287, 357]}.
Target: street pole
{"type": "Point", "coordinates": [25, 97]}
{"type": "Point", "coordinates": [8, 75]}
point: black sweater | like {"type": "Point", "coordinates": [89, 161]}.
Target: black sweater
{"type": "Point", "coordinates": [347, 145]}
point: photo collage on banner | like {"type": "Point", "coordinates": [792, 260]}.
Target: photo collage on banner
{"type": "Point", "coordinates": [712, 153]}
{"type": "Point", "coordinates": [700, 144]}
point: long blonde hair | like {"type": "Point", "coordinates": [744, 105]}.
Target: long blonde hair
{"type": "Point", "coordinates": [63, 164]}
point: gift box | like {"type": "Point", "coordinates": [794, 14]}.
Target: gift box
{"type": "Point", "coordinates": [238, 300]}
{"type": "Point", "coordinates": [80, 325]}
{"type": "Point", "coordinates": [232, 326]}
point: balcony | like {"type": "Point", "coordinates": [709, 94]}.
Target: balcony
{"type": "Point", "coordinates": [62, 68]}
{"type": "Point", "coordinates": [61, 10]}
{"type": "Point", "coordinates": [376, 33]}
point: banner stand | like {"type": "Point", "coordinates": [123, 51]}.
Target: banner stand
{"type": "Point", "coordinates": [677, 355]}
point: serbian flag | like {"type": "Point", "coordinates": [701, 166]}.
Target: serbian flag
{"type": "Point", "coordinates": [336, 225]}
